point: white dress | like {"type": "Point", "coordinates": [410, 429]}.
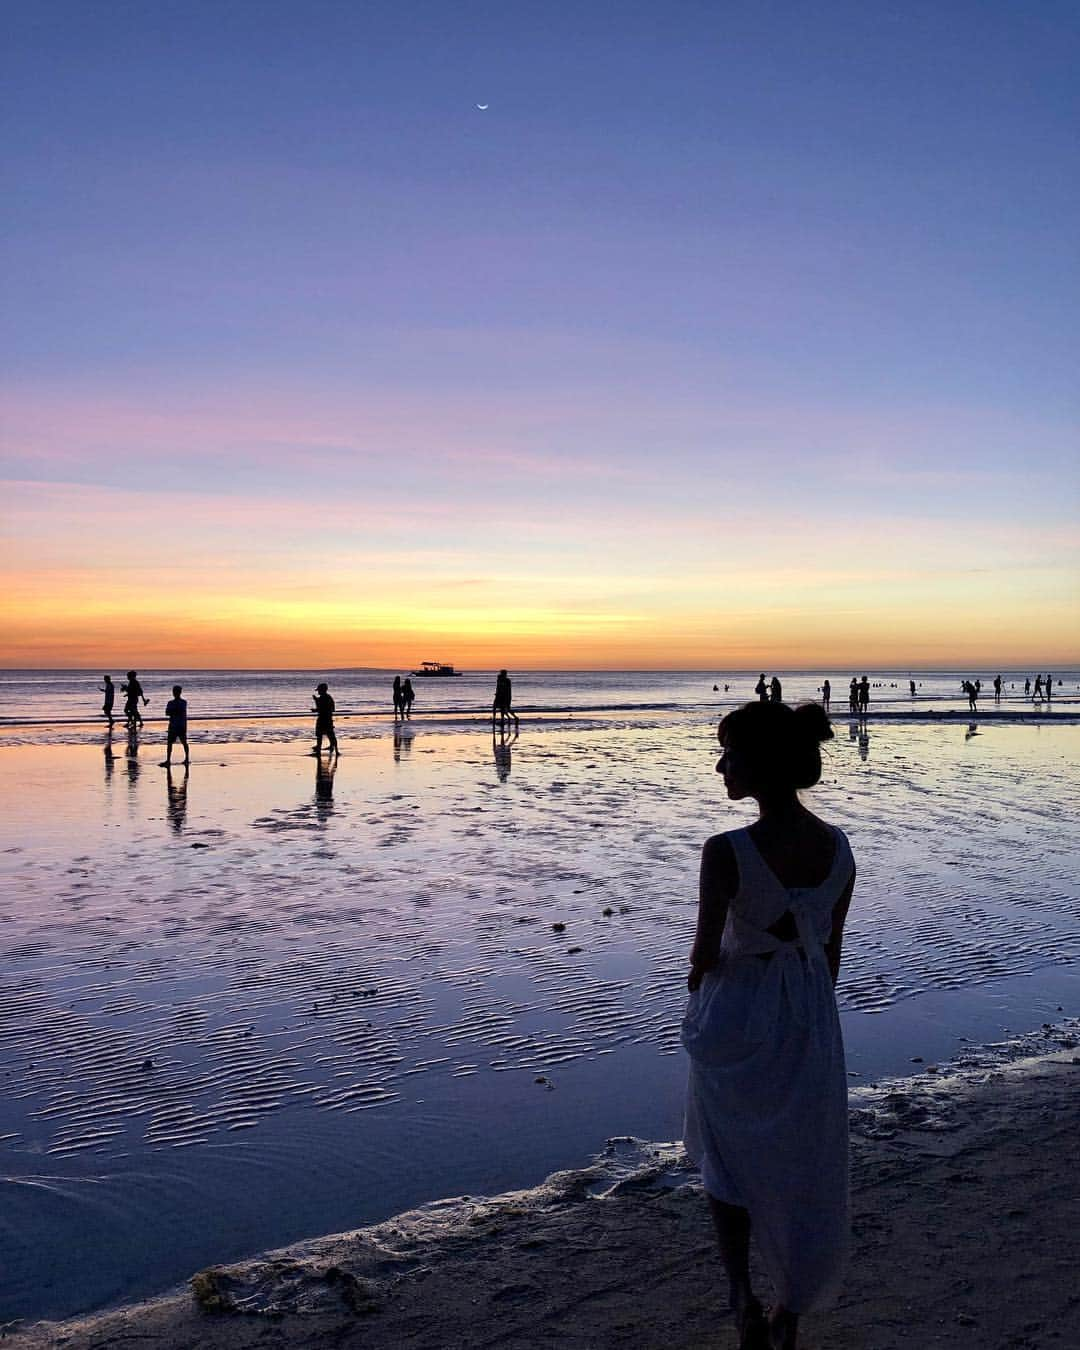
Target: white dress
{"type": "Point", "coordinates": [766, 1110]}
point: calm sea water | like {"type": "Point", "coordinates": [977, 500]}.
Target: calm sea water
{"type": "Point", "coordinates": [62, 695]}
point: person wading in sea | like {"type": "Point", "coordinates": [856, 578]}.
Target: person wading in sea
{"type": "Point", "coordinates": [766, 1112]}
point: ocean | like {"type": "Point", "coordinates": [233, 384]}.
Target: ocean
{"type": "Point", "coordinates": [70, 695]}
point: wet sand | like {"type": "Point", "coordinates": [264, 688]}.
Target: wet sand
{"type": "Point", "coordinates": [250, 1005]}
{"type": "Point", "coordinates": [965, 1232]}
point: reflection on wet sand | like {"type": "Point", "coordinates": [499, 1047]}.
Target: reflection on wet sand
{"type": "Point", "coordinates": [403, 739]}
{"type": "Point", "coordinates": [131, 755]}
{"type": "Point", "coordinates": [303, 968]}
{"type": "Point", "coordinates": [500, 745]}
{"type": "Point", "coordinates": [324, 782]}
{"type": "Point", "coordinates": [177, 797]}
{"type": "Point", "coordinates": [110, 757]}
{"type": "Point", "coordinates": [973, 730]}
{"type": "Point", "coordinates": [859, 732]}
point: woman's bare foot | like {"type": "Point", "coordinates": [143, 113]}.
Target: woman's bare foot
{"type": "Point", "coordinates": [783, 1329]}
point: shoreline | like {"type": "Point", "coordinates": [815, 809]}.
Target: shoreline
{"type": "Point", "coordinates": [471, 716]}
{"type": "Point", "coordinates": [964, 1206]}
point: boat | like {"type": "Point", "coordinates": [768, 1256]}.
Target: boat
{"type": "Point", "coordinates": [438, 668]}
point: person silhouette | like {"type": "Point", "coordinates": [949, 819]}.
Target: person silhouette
{"type": "Point", "coordinates": [324, 719]}
{"type": "Point", "coordinates": [826, 695]}
{"type": "Point", "coordinates": [762, 689]}
{"type": "Point", "coordinates": [133, 691]}
{"type": "Point", "coordinates": [972, 695]}
{"type": "Point", "coordinates": [176, 712]}
{"type": "Point", "coordinates": [776, 692]}
{"type": "Point", "coordinates": [911, 687]}
{"type": "Point", "coordinates": [408, 697]}
{"type": "Point", "coordinates": [1027, 687]}
{"type": "Point", "coordinates": [1049, 687]}
{"type": "Point", "coordinates": [398, 698]}
{"type": "Point", "coordinates": [997, 688]}
{"type": "Point", "coordinates": [853, 695]}
{"type": "Point", "coordinates": [766, 1108]}
{"type": "Point", "coordinates": [501, 705]}
{"type": "Point", "coordinates": [864, 696]}
{"type": "Point", "coordinates": [109, 690]}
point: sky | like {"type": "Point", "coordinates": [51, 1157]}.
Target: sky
{"type": "Point", "coordinates": [728, 335]}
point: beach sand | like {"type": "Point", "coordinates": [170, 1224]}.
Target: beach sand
{"type": "Point", "coordinates": [966, 1231]}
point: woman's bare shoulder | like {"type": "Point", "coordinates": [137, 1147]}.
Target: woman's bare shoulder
{"type": "Point", "coordinates": [719, 864]}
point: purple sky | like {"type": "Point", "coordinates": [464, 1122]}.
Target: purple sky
{"type": "Point", "coordinates": [720, 314]}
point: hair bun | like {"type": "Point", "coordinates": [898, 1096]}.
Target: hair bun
{"type": "Point", "coordinates": [813, 722]}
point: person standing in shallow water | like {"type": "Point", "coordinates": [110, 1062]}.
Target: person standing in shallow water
{"type": "Point", "coordinates": [109, 690]}
{"type": "Point", "coordinates": [398, 697]}
{"type": "Point", "coordinates": [864, 695]}
{"type": "Point", "coordinates": [176, 712]}
{"type": "Point", "coordinates": [324, 720]}
{"type": "Point", "coordinates": [504, 696]}
{"type": "Point", "coordinates": [766, 1112]}
{"type": "Point", "coordinates": [762, 689]}
{"type": "Point", "coordinates": [826, 695]}
{"type": "Point", "coordinates": [133, 691]}
{"type": "Point", "coordinates": [408, 697]}
{"type": "Point", "coordinates": [776, 692]}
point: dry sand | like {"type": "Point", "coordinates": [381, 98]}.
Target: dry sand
{"type": "Point", "coordinates": [966, 1231]}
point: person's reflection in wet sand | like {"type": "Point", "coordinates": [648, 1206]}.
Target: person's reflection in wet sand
{"type": "Point", "coordinates": [864, 741]}
{"type": "Point", "coordinates": [324, 783]}
{"type": "Point", "coordinates": [973, 730]}
{"type": "Point", "coordinates": [131, 754]}
{"type": "Point", "coordinates": [403, 739]}
{"type": "Point", "coordinates": [500, 746]}
{"type": "Point", "coordinates": [110, 757]}
{"type": "Point", "coordinates": [177, 802]}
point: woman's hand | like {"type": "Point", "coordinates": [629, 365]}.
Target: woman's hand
{"type": "Point", "coordinates": [699, 968]}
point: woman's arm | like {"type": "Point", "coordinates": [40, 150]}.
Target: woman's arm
{"type": "Point", "coordinates": [834, 946]}
{"type": "Point", "coordinates": [717, 883]}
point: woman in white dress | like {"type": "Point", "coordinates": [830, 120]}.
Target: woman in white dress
{"type": "Point", "coordinates": [766, 1116]}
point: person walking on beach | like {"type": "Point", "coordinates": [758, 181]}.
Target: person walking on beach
{"type": "Point", "coordinates": [504, 694]}
{"type": "Point", "coordinates": [133, 691]}
{"type": "Point", "coordinates": [1037, 696]}
{"type": "Point", "coordinates": [109, 690]}
{"type": "Point", "coordinates": [997, 688]}
{"type": "Point", "coordinates": [1049, 687]}
{"type": "Point", "coordinates": [911, 686]}
{"type": "Point", "coordinates": [324, 720]}
{"type": "Point", "coordinates": [776, 692]}
{"type": "Point", "coordinates": [972, 695]}
{"type": "Point", "coordinates": [864, 696]}
{"type": "Point", "coordinates": [826, 695]}
{"type": "Point", "coordinates": [766, 1110]}
{"type": "Point", "coordinates": [1027, 687]}
{"type": "Point", "coordinates": [398, 698]}
{"type": "Point", "coordinates": [408, 697]}
{"type": "Point", "coordinates": [176, 712]}
{"type": "Point", "coordinates": [762, 689]}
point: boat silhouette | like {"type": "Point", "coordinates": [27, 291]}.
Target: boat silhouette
{"type": "Point", "coordinates": [435, 668]}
